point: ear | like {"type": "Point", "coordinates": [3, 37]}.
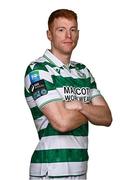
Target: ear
{"type": "Point", "coordinates": [49, 35]}
{"type": "Point", "coordinates": [78, 33]}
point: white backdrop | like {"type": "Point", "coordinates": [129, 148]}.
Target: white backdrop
{"type": "Point", "coordinates": [106, 46]}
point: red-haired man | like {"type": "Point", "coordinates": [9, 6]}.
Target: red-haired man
{"type": "Point", "coordinates": [63, 98]}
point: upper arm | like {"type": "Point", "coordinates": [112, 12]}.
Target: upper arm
{"type": "Point", "coordinates": [56, 114]}
{"type": "Point", "coordinates": [96, 98]}
{"type": "Point", "coordinates": [95, 95]}
{"type": "Point", "coordinates": [100, 101]}
{"type": "Point", "coordinates": [39, 83]}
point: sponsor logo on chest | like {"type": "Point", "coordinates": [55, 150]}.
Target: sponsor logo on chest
{"type": "Point", "coordinates": [76, 93]}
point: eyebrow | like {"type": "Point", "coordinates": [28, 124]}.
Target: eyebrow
{"type": "Point", "coordinates": [65, 27]}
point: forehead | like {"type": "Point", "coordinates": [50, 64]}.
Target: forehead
{"type": "Point", "coordinates": [64, 22]}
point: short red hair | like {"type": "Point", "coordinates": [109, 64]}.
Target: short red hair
{"type": "Point", "coordinates": [66, 13]}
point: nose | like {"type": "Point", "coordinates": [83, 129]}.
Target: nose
{"type": "Point", "coordinates": [68, 33]}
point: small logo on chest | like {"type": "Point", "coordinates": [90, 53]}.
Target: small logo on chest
{"type": "Point", "coordinates": [81, 74]}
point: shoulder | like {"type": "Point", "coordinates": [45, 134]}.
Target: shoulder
{"type": "Point", "coordinates": [37, 64]}
{"type": "Point", "coordinates": [78, 65]}
{"type": "Point", "coordinates": [81, 66]}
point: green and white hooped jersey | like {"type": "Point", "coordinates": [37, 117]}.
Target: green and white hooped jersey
{"type": "Point", "coordinates": [47, 79]}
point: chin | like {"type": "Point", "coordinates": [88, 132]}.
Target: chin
{"type": "Point", "coordinates": [68, 50]}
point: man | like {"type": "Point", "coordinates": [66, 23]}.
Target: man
{"type": "Point", "coordinates": [63, 98]}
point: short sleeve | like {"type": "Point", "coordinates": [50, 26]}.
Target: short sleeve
{"type": "Point", "coordinates": [93, 89]}
{"type": "Point", "coordinates": [39, 83]}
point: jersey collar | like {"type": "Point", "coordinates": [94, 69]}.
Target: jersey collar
{"type": "Point", "coordinates": [54, 60]}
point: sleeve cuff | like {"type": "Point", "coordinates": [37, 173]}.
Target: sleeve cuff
{"type": "Point", "coordinates": [94, 93]}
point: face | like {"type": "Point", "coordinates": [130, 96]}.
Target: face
{"type": "Point", "coordinates": [63, 35]}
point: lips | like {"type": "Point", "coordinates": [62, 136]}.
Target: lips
{"type": "Point", "coordinates": [68, 42]}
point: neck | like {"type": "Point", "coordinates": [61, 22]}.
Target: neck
{"type": "Point", "coordinates": [63, 57]}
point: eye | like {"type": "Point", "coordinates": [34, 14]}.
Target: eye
{"type": "Point", "coordinates": [61, 29]}
{"type": "Point", "coordinates": [74, 30]}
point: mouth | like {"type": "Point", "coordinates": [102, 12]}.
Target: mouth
{"type": "Point", "coordinates": [68, 42]}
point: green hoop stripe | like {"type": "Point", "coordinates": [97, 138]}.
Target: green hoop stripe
{"type": "Point", "coordinates": [59, 155]}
